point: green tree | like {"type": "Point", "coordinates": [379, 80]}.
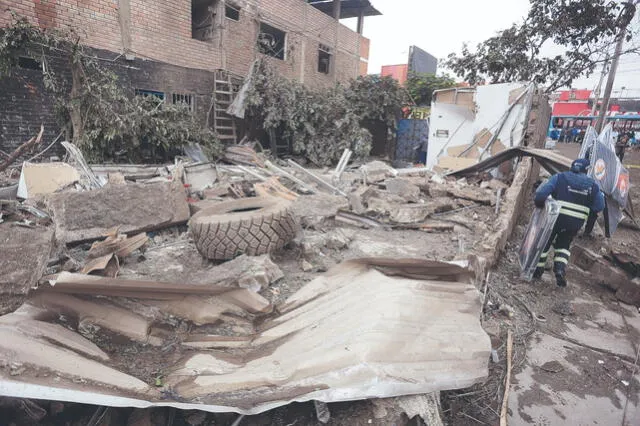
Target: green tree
{"type": "Point", "coordinates": [421, 86]}
{"type": "Point", "coordinates": [585, 29]}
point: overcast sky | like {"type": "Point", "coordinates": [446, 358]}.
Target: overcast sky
{"type": "Point", "coordinates": [440, 27]}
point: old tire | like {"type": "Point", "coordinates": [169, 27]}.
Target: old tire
{"type": "Point", "coordinates": [252, 226]}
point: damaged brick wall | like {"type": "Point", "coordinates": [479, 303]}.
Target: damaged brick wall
{"type": "Point", "coordinates": [161, 30]}
{"type": "Point", "coordinates": [167, 58]}
{"type": "Point", "coordinates": [25, 104]}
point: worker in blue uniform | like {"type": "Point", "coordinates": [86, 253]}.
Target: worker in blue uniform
{"type": "Point", "coordinates": [578, 196]}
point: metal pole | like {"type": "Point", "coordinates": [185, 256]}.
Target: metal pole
{"type": "Point", "coordinates": [612, 73]}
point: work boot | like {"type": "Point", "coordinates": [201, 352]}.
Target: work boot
{"type": "Point", "coordinates": [559, 270]}
{"type": "Point", "coordinates": [537, 274]}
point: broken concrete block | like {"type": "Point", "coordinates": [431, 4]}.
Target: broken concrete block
{"type": "Point", "coordinates": [45, 178]}
{"type": "Point", "coordinates": [629, 292]}
{"type": "Point", "coordinates": [410, 213]}
{"type": "Point", "coordinates": [24, 255]}
{"type": "Point", "coordinates": [314, 209]}
{"type": "Point", "coordinates": [253, 273]}
{"type": "Point", "coordinates": [82, 216]}
{"type": "Point", "coordinates": [356, 201]}
{"type": "Point", "coordinates": [414, 213]}
{"type": "Point", "coordinates": [306, 266]}
{"type": "Point", "coordinates": [403, 188]}
{"type": "Point", "coordinates": [377, 171]}
{"type": "Point", "coordinates": [478, 195]}
{"type": "Point", "coordinates": [116, 178]}
{"type": "Point", "coordinates": [600, 271]}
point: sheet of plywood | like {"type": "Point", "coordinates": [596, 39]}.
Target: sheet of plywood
{"type": "Point", "coordinates": [455, 163]}
{"type": "Point", "coordinates": [45, 178]}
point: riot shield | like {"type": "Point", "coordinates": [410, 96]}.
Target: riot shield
{"type": "Point", "coordinates": [536, 237]}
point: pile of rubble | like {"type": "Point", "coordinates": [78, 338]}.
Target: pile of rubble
{"type": "Point", "coordinates": [200, 285]}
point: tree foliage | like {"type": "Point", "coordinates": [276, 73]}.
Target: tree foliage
{"type": "Point", "coordinates": [107, 123]}
{"type": "Point", "coordinates": [320, 124]}
{"type": "Point", "coordinates": [584, 29]}
{"type": "Point", "coordinates": [421, 86]}
{"type": "Point", "coordinates": [376, 98]}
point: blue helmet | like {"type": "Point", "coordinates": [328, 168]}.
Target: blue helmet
{"type": "Point", "coordinates": [580, 165]}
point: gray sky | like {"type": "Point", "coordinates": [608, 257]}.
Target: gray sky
{"type": "Point", "coordinates": [440, 27]}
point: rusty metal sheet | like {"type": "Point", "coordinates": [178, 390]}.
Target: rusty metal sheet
{"type": "Point", "coordinates": [369, 328]}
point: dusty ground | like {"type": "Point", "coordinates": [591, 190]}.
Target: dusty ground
{"type": "Point", "coordinates": [575, 350]}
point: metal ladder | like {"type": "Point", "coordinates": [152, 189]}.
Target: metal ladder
{"type": "Point", "coordinates": [223, 92]}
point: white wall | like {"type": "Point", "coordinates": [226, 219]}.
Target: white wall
{"type": "Point", "coordinates": [492, 102]}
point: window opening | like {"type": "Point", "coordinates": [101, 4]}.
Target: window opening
{"type": "Point", "coordinates": [272, 41]}
{"type": "Point", "coordinates": [182, 99]}
{"type": "Point", "coordinates": [232, 13]}
{"type": "Point", "coordinates": [324, 59]}
{"type": "Point", "coordinates": [203, 14]}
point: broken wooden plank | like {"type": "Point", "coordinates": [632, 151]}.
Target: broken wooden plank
{"type": "Point", "coordinates": [315, 178]}
{"type": "Point", "coordinates": [25, 147]}
{"type": "Point", "coordinates": [301, 184]}
{"type": "Point", "coordinates": [355, 219]}
{"type": "Point", "coordinates": [273, 188]}
{"type": "Point", "coordinates": [507, 384]}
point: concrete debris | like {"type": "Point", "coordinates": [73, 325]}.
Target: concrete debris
{"type": "Point", "coordinates": [404, 189]}
{"type": "Point", "coordinates": [427, 406]}
{"type": "Point", "coordinates": [376, 171]}
{"type": "Point", "coordinates": [45, 178]}
{"type": "Point", "coordinates": [322, 412]}
{"type": "Point", "coordinates": [478, 195]}
{"type": "Point", "coordinates": [306, 266]}
{"type": "Point", "coordinates": [116, 178]}
{"type": "Point", "coordinates": [86, 216]}
{"type": "Point", "coordinates": [25, 253]}
{"type": "Point", "coordinates": [252, 273]}
{"type": "Point", "coordinates": [410, 213]}
{"type": "Point", "coordinates": [335, 239]}
{"type": "Point", "coordinates": [314, 210]}
{"type": "Point", "coordinates": [9, 192]}
{"type": "Point", "coordinates": [415, 213]}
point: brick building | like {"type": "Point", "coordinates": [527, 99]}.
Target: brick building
{"type": "Point", "coordinates": [177, 49]}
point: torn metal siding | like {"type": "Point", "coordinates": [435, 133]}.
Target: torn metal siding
{"type": "Point", "coordinates": [369, 328]}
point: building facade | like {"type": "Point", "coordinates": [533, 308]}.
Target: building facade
{"type": "Point", "coordinates": [173, 48]}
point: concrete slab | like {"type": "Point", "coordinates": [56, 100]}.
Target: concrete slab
{"type": "Point", "coordinates": [603, 328]}
{"type": "Point", "coordinates": [571, 397]}
{"type": "Point", "coordinates": [24, 253]}
{"type": "Point", "coordinates": [83, 216]}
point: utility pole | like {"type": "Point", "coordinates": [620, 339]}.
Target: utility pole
{"type": "Point", "coordinates": [614, 68]}
{"type": "Point", "coordinates": [599, 87]}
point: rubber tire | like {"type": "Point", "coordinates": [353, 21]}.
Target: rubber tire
{"type": "Point", "coordinates": [252, 226]}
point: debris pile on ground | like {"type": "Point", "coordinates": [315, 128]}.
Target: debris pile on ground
{"type": "Point", "coordinates": [167, 281]}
